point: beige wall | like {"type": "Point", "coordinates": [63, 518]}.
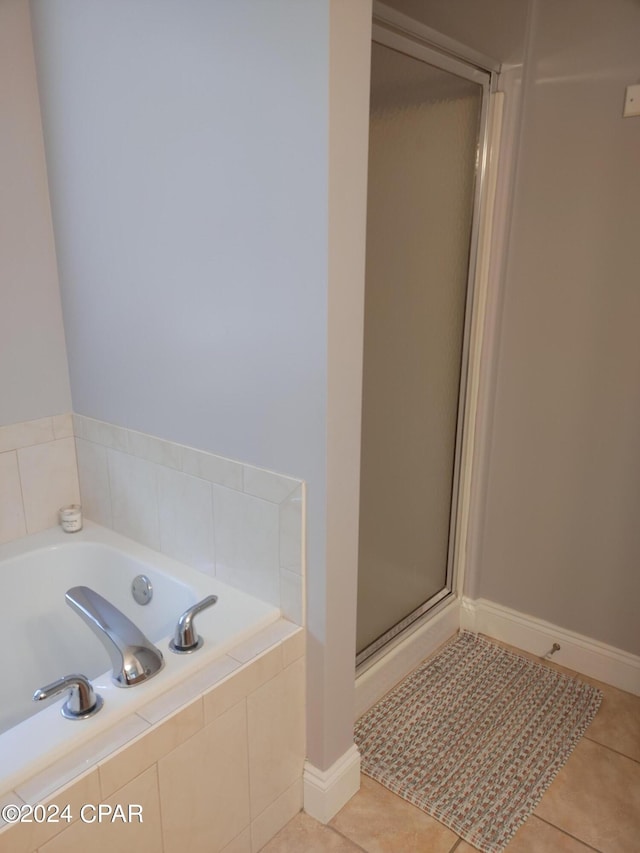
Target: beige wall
{"type": "Point", "coordinates": [34, 379]}
{"type": "Point", "coordinates": [561, 534]}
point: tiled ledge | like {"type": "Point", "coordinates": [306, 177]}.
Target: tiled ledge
{"type": "Point", "coordinates": [260, 682]}
{"type": "Point", "coordinates": [28, 433]}
{"type": "Point", "coordinates": [38, 474]}
{"type": "Point", "coordinates": [225, 518]}
{"type": "Point", "coordinates": [207, 466]}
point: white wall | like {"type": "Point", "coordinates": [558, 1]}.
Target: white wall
{"type": "Point", "coordinates": [189, 157]}
{"type": "Point", "coordinates": [561, 533]}
{"type": "Point", "coordinates": [34, 381]}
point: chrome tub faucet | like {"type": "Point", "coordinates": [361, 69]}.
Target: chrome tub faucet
{"type": "Point", "coordinates": [134, 658]}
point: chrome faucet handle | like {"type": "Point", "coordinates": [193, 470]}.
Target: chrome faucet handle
{"type": "Point", "coordinates": [83, 701]}
{"type": "Point", "coordinates": [186, 637]}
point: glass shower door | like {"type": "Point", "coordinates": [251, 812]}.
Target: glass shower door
{"type": "Point", "coordinates": [426, 119]}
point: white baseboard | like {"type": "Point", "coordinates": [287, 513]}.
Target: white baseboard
{"type": "Point", "coordinates": [405, 656]}
{"type": "Point", "coordinates": [582, 654]}
{"type": "Point", "coordinates": [327, 791]}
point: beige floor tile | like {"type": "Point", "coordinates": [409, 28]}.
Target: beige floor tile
{"type": "Point", "coordinates": [617, 723]}
{"type": "Point", "coordinates": [381, 822]}
{"type": "Point", "coordinates": [303, 834]}
{"type": "Point", "coordinates": [536, 836]}
{"type": "Point", "coordinates": [596, 798]}
{"type": "Point", "coordinates": [240, 844]}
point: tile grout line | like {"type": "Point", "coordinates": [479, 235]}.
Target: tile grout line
{"type": "Point", "coordinates": [345, 837]}
{"type": "Point", "coordinates": [24, 508]}
{"type": "Point", "coordinates": [157, 766]}
{"type": "Point", "coordinates": [611, 749]}
{"type": "Point", "coordinates": [568, 834]}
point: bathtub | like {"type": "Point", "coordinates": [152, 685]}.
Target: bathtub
{"type": "Point", "coordinates": [43, 639]}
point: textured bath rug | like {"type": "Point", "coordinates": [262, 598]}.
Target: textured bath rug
{"type": "Point", "coordinates": [475, 736]}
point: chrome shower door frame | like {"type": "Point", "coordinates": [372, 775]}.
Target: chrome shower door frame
{"type": "Point", "coordinates": [400, 33]}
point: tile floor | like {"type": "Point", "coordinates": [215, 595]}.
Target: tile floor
{"type": "Point", "coordinates": [593, 803]}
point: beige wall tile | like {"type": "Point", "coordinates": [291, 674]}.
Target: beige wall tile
{"type": "Point", "coordinates": [134, 497]}
{"type": "Point", "coordinates": [247, 543]}
{"type": "Point", "coordinates": [263, 640]}
{"type": "Point", "coordinates": [25, 837]}
{"type": "Point", "coordinates": [276, 816]}
{"type": "Point", "coordinates": [107, 837]}
{"type": "Point", "coordinates": [293, 647]}
{"type": "Point", "coordinates": [291, 522]}
{"type": "Point", "coordinates": [93, 474]}
{"type": "Point", "coordinates": [101, 432]}
{"type": "Point", "coordinates": [291, 596]}
{"type": "Point", "coordinates": [49, 477]}
{"type": "Point", "coordinates": [268, 485]}
{"type": "Point", "coordinates": [9, 798]}
{"type": "Point", "coordinates": [125, 765]}
{"type": "Point", "coordinates": [185, 512]}
{"type": "Point", "coordinates": [191, 688]}
{"type": "Point", "coordinates": [12, 520]}
{"type": "Point", "coordinates": [25, 434]}
{"type": "Point", "coordinates": [215, 469]}
{"type": "Point", "coordinates": [62, 425]}
{"type": "Point", "coordinates": [204, 786]}
{"type": "Point", "coordinates": [231, 691]}
{"type": "Point", "coordinates": [76, 761]}
{"type": "Point", "coordinates": [276, 736]}
{"type": "Point", "coordinates": [153, 449]}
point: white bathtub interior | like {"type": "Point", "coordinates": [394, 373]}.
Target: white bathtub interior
{"type": "Point", "coordinates": [46, 639]}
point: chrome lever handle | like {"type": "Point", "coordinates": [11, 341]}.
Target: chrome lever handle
{"type": "Point", "coordinates": [186, 637]}
{"type": "Point", "coordinates": [83, 701]}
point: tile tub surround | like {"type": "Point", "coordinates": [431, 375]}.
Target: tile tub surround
{"type": "Point", "coordinates": [38, 474]}
{"type": "Point", "coordinates": [240, 523]}
{"type": "Point", "coordinates": [216, 763]}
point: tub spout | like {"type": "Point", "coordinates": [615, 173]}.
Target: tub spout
{"type": "Point", "coordinates": [134, 658]}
